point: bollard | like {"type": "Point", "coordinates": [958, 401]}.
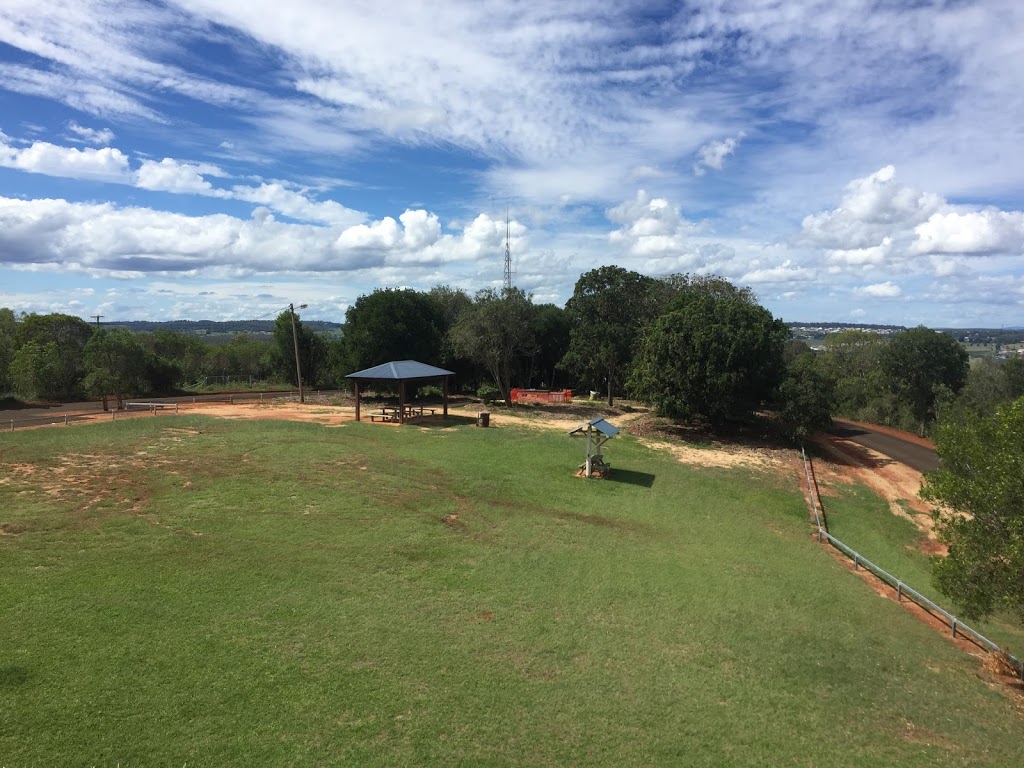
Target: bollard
{"type": "Point", "coordinates": [899, 592]}
{"type": "Point", "coordinates": [65, 419]}
{"type": "Point", "coordinates": [954, 627]}
{"type": "Point", "coordinates": [12, 425]}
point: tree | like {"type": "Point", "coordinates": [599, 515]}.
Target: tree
{"type": "Point", "coordinates": [987, 386]}
{"type": "Point", "coordinates": [920, 364]}
{"type": "Point", "coordinates": [182, 350]}
{"type": "Point", "coordinates": [551, 324]}
{"type": "Point", "coordinates": [69, 335]}
{"type": "Point", "coordinates": [711, 357]}
{"type": "Point", "coordinates": [452, 302]}
{"type": "Point", "coordinates": [116, 364]}
{"type": "Point", "coordinates": [1013, 373]}
{"type": "Point", "coordinates": [980, 493]}
{"type": "Point", "coordinates": [672, 286]}
{"type": "Point", "coordinates": [607, 313]}
{"type": "Point", "coordinates": [852, 361]}
{"type": "Point", "coordinates": [497, 333]}
{"type": "Point", "coordinates": [35, 371]}
{"type": "Point", "coordinates": [400, 324]}
{"type": "Point", "coordinates": [313, 350]}
{"type": "Point", "coordinates": [8, 336]}
{"type": "Point", "coordinates": [805, 398]}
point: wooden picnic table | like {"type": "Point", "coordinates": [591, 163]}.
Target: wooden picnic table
{"type": "Point", "coordinates": [394, 413]}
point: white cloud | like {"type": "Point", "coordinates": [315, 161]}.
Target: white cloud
{"type": "Point", "coordinates": [295, 205]}
{"type": "Point", "coordinates": [871, 209]}
{"type": "Point", "coordinates": [649, 226]}
{"type": "Point", "coordinates": [169, 175]}
{"type": "Point", "coordinates": [103, 239]}
{"type": "Point", "coordinates": [787, 272]}
{"type": "Point", "coordinates": [886, 290]}
{"type": "Point", "coordinates": [713, 154]}
{"type": "Point", "coordinates": [106, 164]}
{"type": "Point", "coordinates": [974, 232]}
{"type": "Point", "coordinates": [861, 257]}
{"type": "Point", "coordinates": [101, 136]}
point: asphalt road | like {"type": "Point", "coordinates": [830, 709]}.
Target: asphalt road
{"type": "Point", "coordinates": [913, 455]}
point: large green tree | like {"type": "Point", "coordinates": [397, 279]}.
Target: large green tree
{"type": "Point", "coordinates": [551, 324]}
{"type": "Point", "coordinates": [313, 350]}
{"type": "Point", "coordinates": [980, 513]}
{"type": "Point", "coordinates": [394, 324]}
{"type": "Point", "coordinates": [710, 357]}
{"type": "Point", "coordinates": [452, 302]}
{"type": "Point", "coordinates": [805, 397]}
{"type": "Point", "coordinates": [8, 346]}
{"type": "Point", "coordinates": [116, 364]}
{"type": "Point", "coordinates": [497, 333]}
{"type": "Point", "coordinates": [35, 371]}
{"type": "Point", "coordinates": [69, 335]}
{"type": "Point", "coordinates": [607, 313]}
{"type": "Point", "coordinates": [920, 365]}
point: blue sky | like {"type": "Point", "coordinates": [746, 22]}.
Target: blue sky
{"type": "Point", "coordinates": [849, 160]}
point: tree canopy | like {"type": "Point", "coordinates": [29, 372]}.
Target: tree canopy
{"type": "Point", "coordinates": [980, 492]}
{"type": "Point", "coordinates": [497, 332]}
{"type": "Point", "coordinates": [607, 313]}
{"type": "Point", "coordinates": [711, 357]}
{"type": "Point", "coordinates": [920, 365]}
{"type": "Point", "coordinates": [395, 324]}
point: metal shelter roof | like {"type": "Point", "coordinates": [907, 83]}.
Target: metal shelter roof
{"type": "Point", "coordinates": [600, 425]}
{"type": "Point", "coordinates": [398, 370]}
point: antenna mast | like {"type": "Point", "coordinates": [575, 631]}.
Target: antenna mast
{"type": "Point", "coordinates": [508, 252]}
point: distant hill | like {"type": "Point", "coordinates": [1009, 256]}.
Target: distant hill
{"type": "Point", "coordinates": [219, 327]}
{"type": "Point", "coordinates": [819, 330]}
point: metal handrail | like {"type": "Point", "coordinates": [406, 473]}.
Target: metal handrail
{"type": "Point", "coordinates": [956, 625]}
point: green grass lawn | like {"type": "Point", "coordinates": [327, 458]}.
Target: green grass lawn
{"type": "Point", "coordinates": [185, 590]}
{"type": "Point", "coordinates": [863, 521]}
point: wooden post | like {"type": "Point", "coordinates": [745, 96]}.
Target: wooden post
{"type": "Point", "coordinates": [445, 389]}
{"type": "Point", "coordinates": [357, 401]}
{"type": "Point", "coordinates": [401, 402]}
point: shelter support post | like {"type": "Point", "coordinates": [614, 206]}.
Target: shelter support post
{"type": "Point", "coordinates": [444, 388]}
{"type": "Point", "coordinates": [401, 402]}
{"type": "Point", "coordinates": [357, 401]}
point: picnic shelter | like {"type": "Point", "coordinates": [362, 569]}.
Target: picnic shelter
{"type": "Point", "coordinates": [401, 371]}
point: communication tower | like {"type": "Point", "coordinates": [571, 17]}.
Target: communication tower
{"type": "Point", "coordinates": [508, 253]}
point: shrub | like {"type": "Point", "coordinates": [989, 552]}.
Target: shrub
{"type": "Point", "coordinates": [488, 393]}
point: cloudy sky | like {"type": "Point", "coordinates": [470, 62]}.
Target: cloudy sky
{"type": "Point", "coordinates": [850, 160]}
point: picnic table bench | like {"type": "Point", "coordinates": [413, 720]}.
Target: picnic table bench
{"type": "Point", "coordinates": [392, 413]}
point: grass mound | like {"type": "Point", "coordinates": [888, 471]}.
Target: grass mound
{"type": "Point", "coordinates": [188, 590]}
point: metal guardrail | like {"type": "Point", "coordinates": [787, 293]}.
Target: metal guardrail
{"type": "Point", "coordinates": [956, 626]}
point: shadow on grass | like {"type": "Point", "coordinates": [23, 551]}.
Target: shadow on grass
{"type": "Point", "coordinates": [443, 422]}
{"type": "Point", "coordinates": [631, 477]}
{"type": "Point", "coordinates": [11, 676]}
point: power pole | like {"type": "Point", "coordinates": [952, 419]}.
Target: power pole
{"type": "Point", "coordinates": [508, 253]}
{"type": "Point", "coordinates": [298, 367]}
{"type": "Point", "coordinates": [97, 319]}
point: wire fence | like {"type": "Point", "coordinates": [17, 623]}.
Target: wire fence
{"type": "Point", "coordinates": [157, 405]}
{"type": "Point", "coordinates": [956, 626]}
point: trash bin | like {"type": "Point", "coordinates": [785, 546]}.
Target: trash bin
{"type": "Point", "coordinates": [483, 419]}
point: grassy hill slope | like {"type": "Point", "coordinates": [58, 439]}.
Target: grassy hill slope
{"type": "Point", "coordinates": [237, 593]}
